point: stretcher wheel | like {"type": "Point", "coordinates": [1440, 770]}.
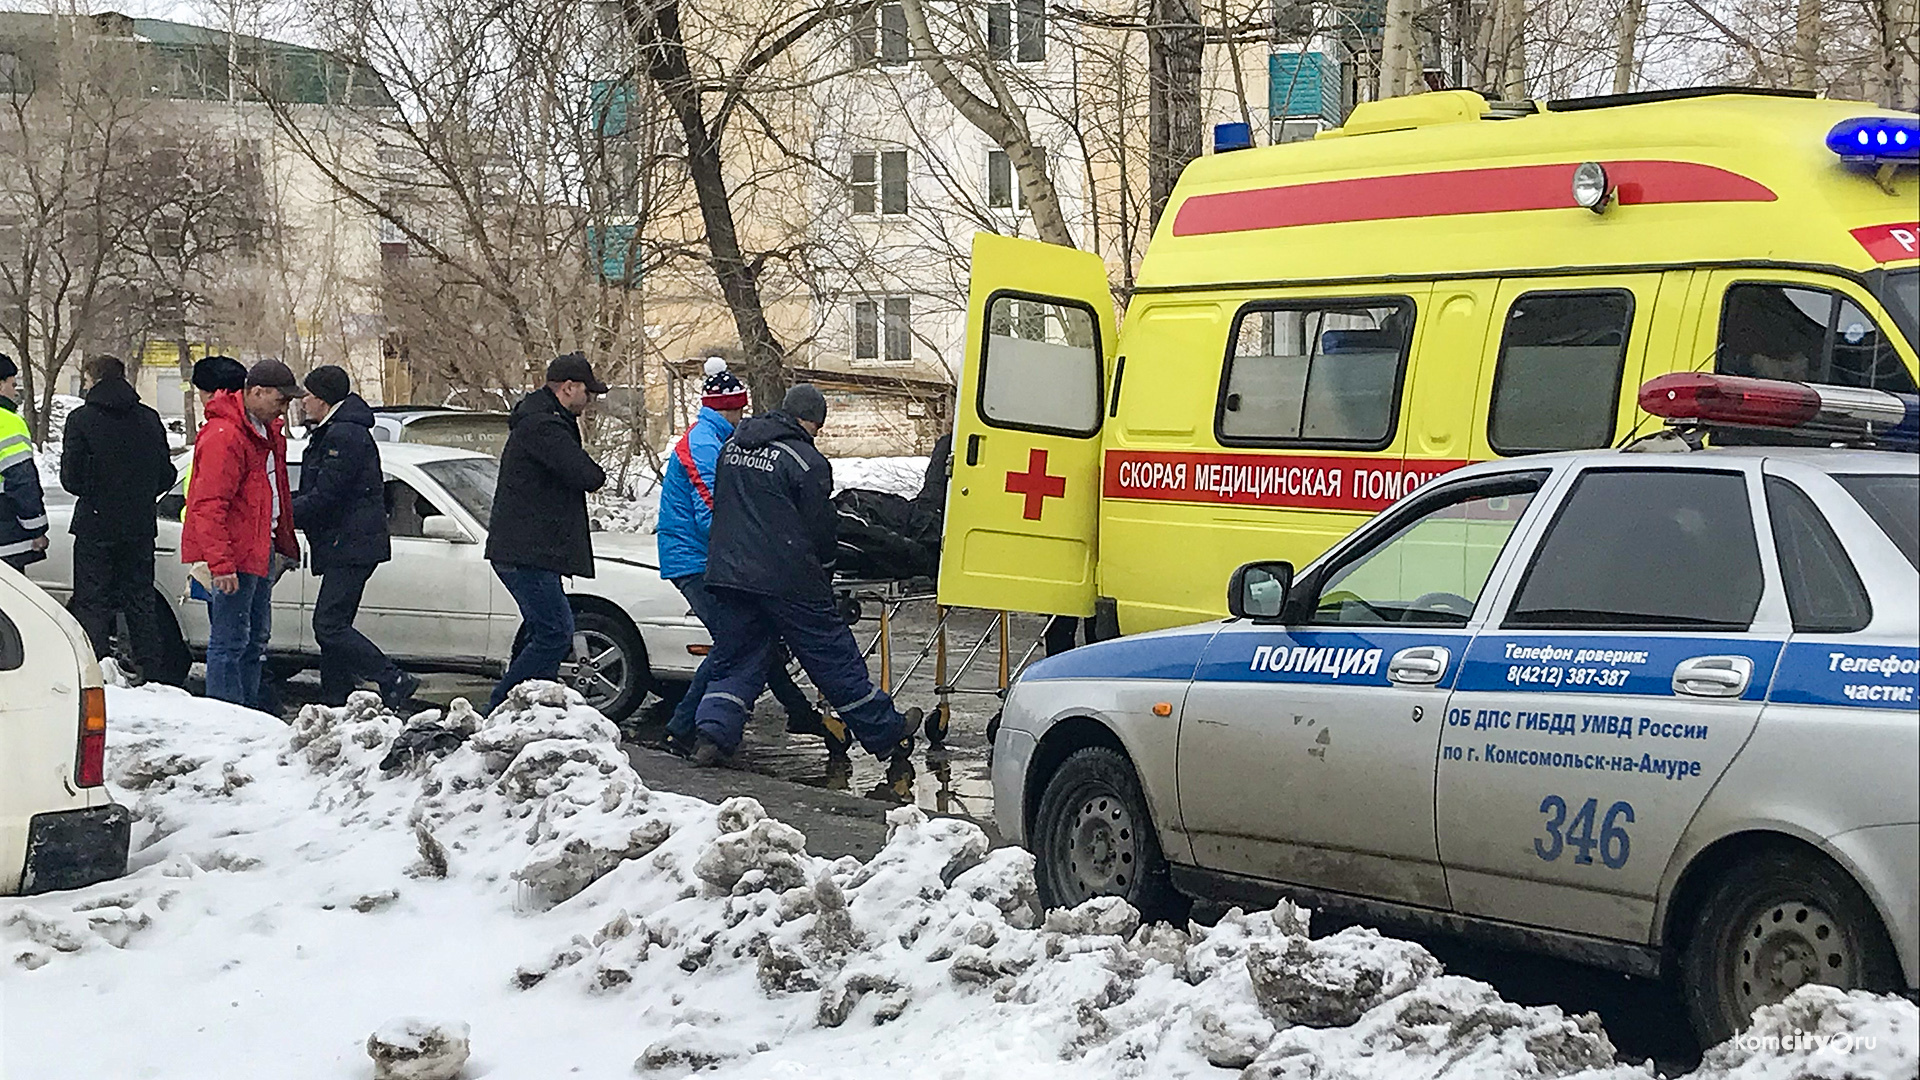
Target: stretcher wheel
{"type": "Point", "coordinates": [937, 723]}
{"type": "Point", "coordinates": [850, 612]}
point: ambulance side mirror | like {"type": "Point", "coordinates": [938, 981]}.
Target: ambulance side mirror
{"type": "Point", "coordinates": [1258, 590]}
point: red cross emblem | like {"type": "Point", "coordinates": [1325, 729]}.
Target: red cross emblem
{"type": "Point", "coordinates": [1035, 484]}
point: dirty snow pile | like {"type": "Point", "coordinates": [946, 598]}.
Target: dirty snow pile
{"type": "Point", "coordinates": [301, 895]}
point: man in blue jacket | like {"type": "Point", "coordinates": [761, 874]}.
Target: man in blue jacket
{"type": "Point", "coordinates": [685, 523]}
{"type": "Point", "coordinates": [342, 506]}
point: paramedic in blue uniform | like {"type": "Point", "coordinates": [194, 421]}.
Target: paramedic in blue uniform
{"type": "Point", "coordinates": [770, 570]}
{"type": "Point", "coordinates": [686, 518]}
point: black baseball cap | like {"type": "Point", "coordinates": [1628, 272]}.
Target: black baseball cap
{"type": "Point", "coordinates": [573, 367]}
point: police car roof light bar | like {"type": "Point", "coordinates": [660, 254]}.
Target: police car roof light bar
{"type": "Point", "coordinates": [1877, 140]}
{"type": "Point", "coordinates": [1845, 413]}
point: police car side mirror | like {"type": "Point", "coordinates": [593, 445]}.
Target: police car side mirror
{"type": "Point", "coordinates": [1258, 590]}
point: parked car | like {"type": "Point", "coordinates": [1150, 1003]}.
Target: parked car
{"type": "Point", "coordinates": [462, 429]}
{"type": "Point", "coordinates": [59, 829]}
{"type": "Point", "coordinates": [1651, 711]}
{"type": "Point", "coordinates": [437, 606]}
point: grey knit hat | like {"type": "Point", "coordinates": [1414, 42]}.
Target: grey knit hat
{"type": "Point", "coordinates": [805, 402]}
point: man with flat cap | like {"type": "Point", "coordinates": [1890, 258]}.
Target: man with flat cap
{"type": "Point", "coordinates": [770, 570]}
{"type": "Point", "coordinates": [539, 532]}
{"type": "Point", "coordinates": [342, 505]}
{"type": "Point", "coordinates": [237, 537]}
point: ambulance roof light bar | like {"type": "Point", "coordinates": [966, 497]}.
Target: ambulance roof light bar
{"type": "Point", "coordinates": [1877, 140]}
{"type": "Point", "coordinates": [1843, 414]}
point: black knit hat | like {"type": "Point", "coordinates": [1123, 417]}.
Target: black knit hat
{"type": "Point", "coordinates": [805, 402]}
{"type": "Point", "coordinates": [328, 382]}
{"type": "Point", "coordinates": [7, 367]}
{"type": "Point", "coordinates": [721, 390]}
{"type": "Point", "coordinates": [217, 373]}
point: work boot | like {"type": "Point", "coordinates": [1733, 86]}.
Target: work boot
{"type": "Point", "coordinates": [708, 755]}
{"type": "Point", "coordinates": [399, 694]}
{"type": "Point", "coordinates": [681, 746]}
{"type": "Point", "coordinates": [834, 731]}
{"type": "Point", "coordinates": [807, 723]}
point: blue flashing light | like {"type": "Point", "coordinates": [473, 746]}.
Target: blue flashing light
{"type": "Point", "coordinates": [1877, 140]}
{"type": "Point", "coordinates": [1228, 137]}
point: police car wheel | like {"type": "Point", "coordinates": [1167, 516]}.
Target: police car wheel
{"type": "Point", "coordinates": [1093, 837]}
{"type": "Point", "coordinates": [1772, 924]}
{"type": "Point", "coordinates": [608, 665]}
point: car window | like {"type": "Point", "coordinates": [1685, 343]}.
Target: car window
{"type": "Point", "coordinates": [1646, 549]}
{"type": "Point", "coordinates": [1894, 504]}
{"type": "Point", "coordinates": [1324, 373]}
{"type": "Point", "coordinates": [173, 505]}
{"type": "Point", "coordinates": [1432, 569]}
{"type": "Point", "coordinates": [1042, 368]}
{"type": "Point", "coordinates": [471, 482]}
{"type": "Point", "coordinates": [1806, 335]}
{"type": "Point", "coordinates": [1556, 385]}
{"type": "Point", "coordinates": [1824, 591]}
{"type": "Point", "coordinates": [407, 511]}
{"type": "Point", "coordinates": [13, 651]}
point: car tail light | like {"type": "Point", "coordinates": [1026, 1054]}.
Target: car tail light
{"type": "Point", "coordinates": [90, 768]}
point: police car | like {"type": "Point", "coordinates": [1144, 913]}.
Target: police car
{"type": "Point", "coordinates": [1655, 711]}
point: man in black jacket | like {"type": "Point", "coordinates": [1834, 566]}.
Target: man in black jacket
{"type": "Point", "coordinates": [770, 567]}
{"type": "Point", "coordinates": [342, 506]}
{"type": "Point", "coordinates": [116, 462]}
{"type": "Point", "coordinates": [539, 531]}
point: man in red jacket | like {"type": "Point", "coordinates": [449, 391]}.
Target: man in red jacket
{"type": "Point", "coordinates": [238, 533]}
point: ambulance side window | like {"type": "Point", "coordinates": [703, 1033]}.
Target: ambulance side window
{"type": "Point", "coordinates": [1556, 385]}
{"type": "Point", "coordinates": [1042, 368]}
{"type": "Point", "coordinates": [1803, 334]}
{"type": "Point", "coordinates": [1324, 374]}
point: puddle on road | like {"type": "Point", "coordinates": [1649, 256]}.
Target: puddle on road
{"type": "Point", "coordinates": [951, 781]}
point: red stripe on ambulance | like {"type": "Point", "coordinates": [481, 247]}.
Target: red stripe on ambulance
{"type": "Point", "coordinates": [1292, 480]}
{"type": "Point", "coordinates": [1463, 191]}
{"type": "Point", "coordinates": [1890, 243]}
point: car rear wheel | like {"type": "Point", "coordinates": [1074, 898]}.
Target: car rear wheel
{"type": "Point", "coordinates": [1774, 923]}
{"type": "Point", "coordinates": [608, 665]}
{"type": "Point", "coordinates": [1094, 837]}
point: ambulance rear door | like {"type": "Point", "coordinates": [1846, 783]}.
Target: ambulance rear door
{"type": "Point", "coordinates": [1023, 501]}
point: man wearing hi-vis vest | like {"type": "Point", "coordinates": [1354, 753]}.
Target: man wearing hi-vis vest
{"type": "Point", "coordinates": [23, 512]}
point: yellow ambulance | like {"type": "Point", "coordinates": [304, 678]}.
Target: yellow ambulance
{"type": "Point", "coordinates": [1321, 327]}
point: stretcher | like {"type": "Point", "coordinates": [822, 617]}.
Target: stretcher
{"type": "Point", "coordinates": [883, 600]}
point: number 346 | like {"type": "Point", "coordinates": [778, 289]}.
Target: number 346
{"type": "Point", "coordinates": [1577, 834]}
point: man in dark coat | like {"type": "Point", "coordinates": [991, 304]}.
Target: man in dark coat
{"type": "Point", "coordinates": [116, 462]}
{"type": "Point", "coordinates": [342, 506]}
{"type": "Point", "coordinates": [770, 567]}
{"type": "Point", "coordinates": [539, 532]}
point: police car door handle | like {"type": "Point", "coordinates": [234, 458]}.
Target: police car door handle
{"type": "Point", "coordinates": [1713, 676]}
{"type": "Point", "coordinates": [1421, 665]}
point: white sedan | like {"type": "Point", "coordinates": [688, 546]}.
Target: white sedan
{"type": "Point", "coordinates": [437, 606]}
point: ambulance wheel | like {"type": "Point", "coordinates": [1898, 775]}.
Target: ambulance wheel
{"type": "Point", "coordinates": [937, 724]}
{"type": "Point", "coordinates": [1775, 922]}
{"type": "Point", "coordinates": [1093, 837]}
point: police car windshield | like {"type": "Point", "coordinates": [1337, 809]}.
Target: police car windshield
{"type": "Point", "coordinates": [1893, 502]}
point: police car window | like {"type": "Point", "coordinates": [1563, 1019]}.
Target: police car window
{"type": "Point", "coordinates": [1806, 335]}
{"type": "Point", "coordinates": [13, 652]}
{"type": "Point", "coordinates": [1650, 549]}
{"type": "Point", "coordinates": [1431, 570]}
{"type": "Point", "coordinates": [1824, 592]}
{"type": "Point", "coordinates": [1557, 383]}
{"type": "Point", "coordinates": [1041, 371]}
{"type": "Point", "coordinates": [1314, 374]}
{"type": "Point", "coordinates": [1894, 504]}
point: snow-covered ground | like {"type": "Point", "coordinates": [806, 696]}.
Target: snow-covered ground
{"type": "Point", "coordinates": [289, 898]}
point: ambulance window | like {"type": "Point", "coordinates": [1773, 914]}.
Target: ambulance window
{"type": "Point", "coordinates": [1557, 383]}
{"type": "Point", "coordinates": [1645, 549]}
{"type": "Point", "coordinates": [1824, 591]}
{"type": "Point", "coordinates": [1806, 335]}
{"type": "Point", "coordinates": [1041, 371]}
{"type": "Point", "coordinates": [1326, 374]}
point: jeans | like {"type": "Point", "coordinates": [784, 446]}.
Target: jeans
{"type": "Point", "coordinates": [240, 623]}
{"type": "Point", "coordinates": [746, 627]}
{"type": "Point", "coordinates": [546, 625]}
{"type": "Point", "coordinates": [114, 576]}
{"type": "Point", "coordinates": [346, 656]}
{"type": "Point", "coordinates": [790, 696]}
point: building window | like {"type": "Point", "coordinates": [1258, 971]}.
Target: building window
{"type": "Point", "coordinates": [1003, 183]}
{"type": "Point", "coordinates": [879, 182]}
{"type": "Point", "coordinates": [893, 34]}
{"type": "Point", "coordinates": [1030, 24]}
{"type": "Point", "coordinates": [865, 184]}
{"type": "Point", "coordinates": [863, 28]}
{"type": "Point", "coordinates": [1000, 31]}
{"type": "Point", "coordinates": [883, 329]}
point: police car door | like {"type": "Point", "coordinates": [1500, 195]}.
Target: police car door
{"type": "Point", "coordinates": [1626, 667]}
{"type": "Point", "coordinates": [1307, 750]}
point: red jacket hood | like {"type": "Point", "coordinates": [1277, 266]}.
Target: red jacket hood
{"type": "Point", "coordinates": [230, 406]}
